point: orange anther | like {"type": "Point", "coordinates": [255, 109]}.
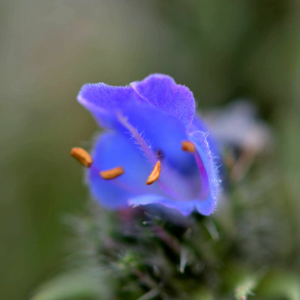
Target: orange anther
{"type": "Point", "coordinates": [188, 146]}
{"type": "Point", "coordinates": [82, 156]}
{"type": "Point", "coordinates": [154, 175]}
{"type": "Point", "coordinates": [112, 173]}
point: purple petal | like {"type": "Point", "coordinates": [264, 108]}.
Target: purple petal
{"type": "Point", "coordinates": [163, 92]}
{"type": "Point", "coordinates": [206, 207]}
{"type": "Point", "coordinates": [161, 113]}
{"type": "Point", "coordinates": [103, 101]}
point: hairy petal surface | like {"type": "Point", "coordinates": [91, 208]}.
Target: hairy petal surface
{"type": "Point", "coordinates": [206, 206]}
{"type": "Point", "coordinates": [163, 92]}
{"type": "Point", "coordinates": [199, 125]}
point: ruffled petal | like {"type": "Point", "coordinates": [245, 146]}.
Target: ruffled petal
{"type": "Point", "coordinates": [206, 206]}
{"type": "Point", "coordinates": [103, 101]}
{"type": "Point", "coordinates": [163, 92]}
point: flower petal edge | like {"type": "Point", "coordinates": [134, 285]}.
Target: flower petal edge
{"type": "Point", "coordinates": [163, 92]}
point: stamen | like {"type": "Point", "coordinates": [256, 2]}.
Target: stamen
{"type": "Point", "coordinates": [188, 146]}
{"type": "Point", "coordinates": [112, 173]}
{"type": "Point", "coordinates": [82, 156]}
{"type": "Point", "coordinates": [85, 159]}
{"type": "Point", "coordinates": [154, 175]}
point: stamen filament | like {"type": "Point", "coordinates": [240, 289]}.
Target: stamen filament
{"type": "Point", "coordinates": [154, 175]}
{"type": "Point", "coordinates": [146, 149]}
{"type": "Point", "coordinates": [82, 156]}
{"type": "Point", "coordinates": [112, 173]}
{"type": "Point", "coordinates": [204, 193]}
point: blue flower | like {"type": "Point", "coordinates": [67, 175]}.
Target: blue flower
{"type": "Point", "coordinates": [154, 149]}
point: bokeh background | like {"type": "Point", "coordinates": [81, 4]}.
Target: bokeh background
{"type": "Point", "coordinates": [221, 49]}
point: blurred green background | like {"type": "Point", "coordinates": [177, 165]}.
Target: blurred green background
{"type": "Point", "coordinates": [220, 49]}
